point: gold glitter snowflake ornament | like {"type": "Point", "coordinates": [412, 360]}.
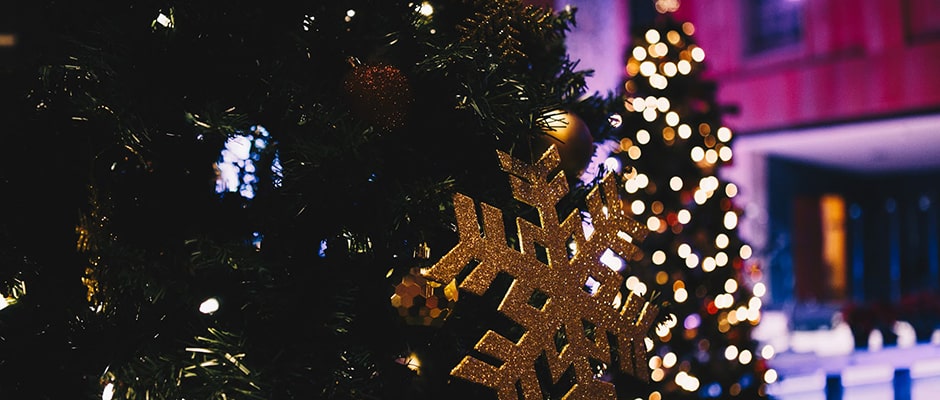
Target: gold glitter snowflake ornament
{"type": "Point", "coordinates": [586, 319]}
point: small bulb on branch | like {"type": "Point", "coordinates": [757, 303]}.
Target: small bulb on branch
{"type": "Point", "coordinates": [571, 136]}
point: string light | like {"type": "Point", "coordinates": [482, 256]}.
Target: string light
{"type": "Point", "coordinates": [638, 103]}
{"type": "Point", "coordinates": [684, 67]}
{"type": "Point", "coordinates": [700, 196]}
{"type": "Point", "coordinates": [721, 241]}
{"type": "Point", "coordinates": [657, 375]}
{"type": "Point", "coordinates": [711, 156]}
{"type": "Point", "coordinates": [661, 49]}
{"type": "Point", "coordinates": [670, 69]}
{"type": "Point", "coordinates": [730, 222]}
{"type": "Point", "coordinates": [731, 285]}
{"type": "Point", "coordinates": [745, 357]}
{"type": "Point", "coordinates": [638, 207]}
{"type": "Point", "coordinates": [631, 186]}
{"type": "Point", "coordinates": [612, 164]}
{"type": "Point", "coordinates": [163, 20]}
{"type": "Point", "coordinates": [639, 53]}
{"type": "Point", "coordinates": [708, 264]}
{"type": "Point", "coordinates": [662, 104]}
{"type": "Point", "coordinates": [767, 352]}
{"type": "Point", "coordinates": [675, 183]}
{"type": "Point", "coordinates": [612, 261]}
{"type": "Point", "coordinates": [209, 306]}
{"type": "Point", "coordinates": [425, 9]}
{"type": "Point", "coordinates": [709, 183]}
{"type": "Point", "coordinates": [724, 134]}
{"type": "Point", "coordinates": [731, 352]}
{"type": "Point", "coordinates": [724, 300]}
{"type": "Point", "coordinates": [672, 118]}
{"type": "Point", "coordinates": [684, 250]}
{"type": "Point", "coordinates": [308, 22]}
{"type": "Point", "coordinates": [770, 376]}
{"type": "Point", "coordinates": [634, 153]}
{"type": "Point", "coordinates": [673, 37]}
{"type": "Point", "coordinates": [9, 40]}
{"type": "Point", "coordinates": [759, 289]}
{"type": "Point", "coordinates": [731, 190]}
{"type": "Point", "coordinates": [684, 216]}
{"type": "Point", "coordinates": [642, 136]}
{"type": "Point", "coordinates": [687, 382]}
{"type": "Point", "coordinates": [725, 153]}
{"type": "Point", "coordinates": [721, 259]}
{"type": "Point", "coordinates": [684, 131]}
{"type": "Point", "coordinates": [697, 153]}
{"type": "Point", "coordinates": [755, 303]}
{"type": "Point", "coordinates": [411, 362]}
{"type": "Point", "coordinates": [659, 257]}
{"type": "Point", "coordinates": [665, 6]}
{"type": "Point", "coordinates": [669, 360]}
{"type": "Point", "coordinates": [655, 362]}
{"type": "Point", "coordinates": [662, 331]}
{"type": "Point", "coordinates": [108, 392]}
{"type": "Point", "coordinates": [681, 295]}
{"type": "Point", "coordinates": [658, 81]}
{"type": "Point", "coordinates": [745, 251]}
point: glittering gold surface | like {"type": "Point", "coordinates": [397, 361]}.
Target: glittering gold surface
{"type": "Point", "coordinates": [423, 302]}
{"type": "Point", "coordinates": [569, 307]}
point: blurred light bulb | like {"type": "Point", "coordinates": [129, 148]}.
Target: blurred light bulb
{"type": "Point", "coordinates": [759, 289]}
{"type": "Point", "coordinates": [770, 376]}
{"type": "Point", "coordinates": [639, 53]}
{"type": "Point", "coordinates": [659, 257]}
{"type": "Point", "coordinates": [642, 136]}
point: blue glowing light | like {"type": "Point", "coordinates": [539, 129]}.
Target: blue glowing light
{"type": "Point", "coordinates": [236, 166]}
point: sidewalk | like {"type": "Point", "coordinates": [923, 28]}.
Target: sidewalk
{"type": "Point", "coordinates": [903, 373]}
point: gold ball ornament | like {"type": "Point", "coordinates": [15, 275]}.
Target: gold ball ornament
{"type": "Point", "coordinates": [378, 93]}
{"type": "Point", "coordinates": [420, 301]}
{"type": "Point", "coordinates": [571, 136]}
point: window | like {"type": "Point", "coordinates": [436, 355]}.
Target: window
{"type": "Point", "coordinates": [772, 24]}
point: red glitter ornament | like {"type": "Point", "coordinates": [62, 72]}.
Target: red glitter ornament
{"type": "Point", "coordinates": [379, 94]}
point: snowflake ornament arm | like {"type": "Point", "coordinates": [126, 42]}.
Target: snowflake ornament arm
{"type": "Point", "coordinates": [585, 320]}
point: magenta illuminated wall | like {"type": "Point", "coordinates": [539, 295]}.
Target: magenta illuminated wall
{"type": "Point", "coordinates": [856, 60]}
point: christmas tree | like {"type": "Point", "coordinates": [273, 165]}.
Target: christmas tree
{"type": "Point", "coordinates": [673, 143]}
{"type": "Point", "coordinates": [364, 199]}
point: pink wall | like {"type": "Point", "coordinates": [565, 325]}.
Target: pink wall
{"type": "Point", "coordinates": [857, 60]}
{"type": "Point", "coordinates": [599, 39]}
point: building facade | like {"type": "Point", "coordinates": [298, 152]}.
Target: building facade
{"type": "Point", "coordinates": [838, 140]}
